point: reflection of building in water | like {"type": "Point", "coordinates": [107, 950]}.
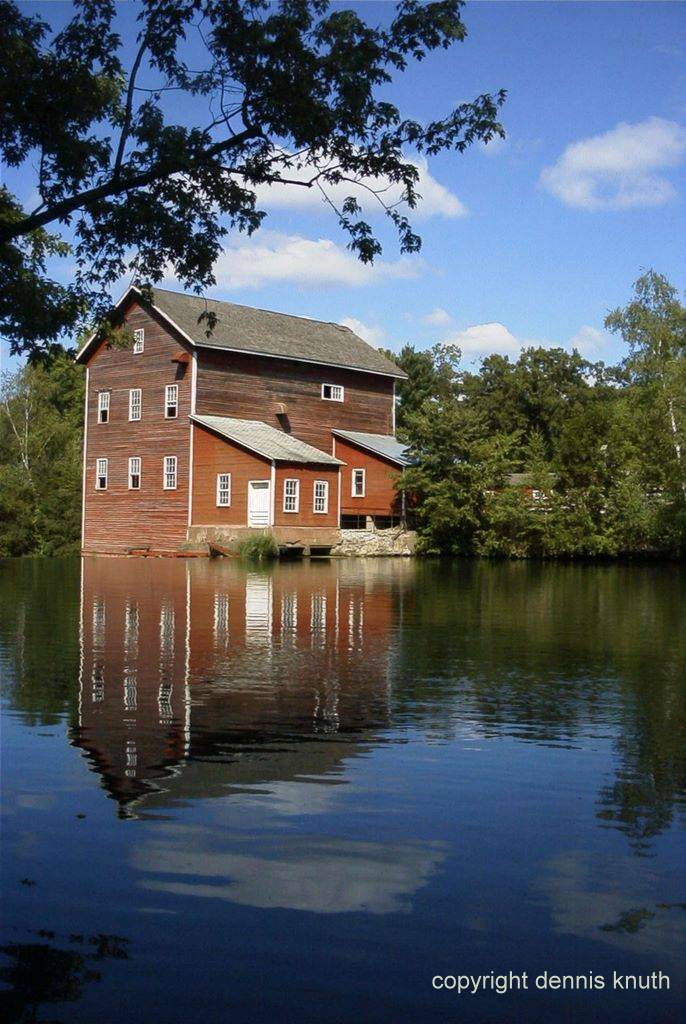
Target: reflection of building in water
{"type": "Point", "coordinates": [198, 676]}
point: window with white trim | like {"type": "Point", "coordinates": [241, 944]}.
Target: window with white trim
{"type": "Point", "coordinates": [135, 403]}
{"type": "Point", "coordinates": [170, 469]}
{"type": "Point", "coordinates": [171, 401]}
{"type": "Point", "coordinates": [359, 479]}
{"type": "Point", "coordinates": [223, 489]}
{"type": "Point", "coordinates": [291, 495]}
{"type": "Point", "coordinates": [134, 473]}
{"type": "Point", "coordinates": [101, 474]}
{"type": "Point", "coordinates": [332, 392]}
{"type": "Point", "coordinates": [321, 496]}
{"type": "Point", "coordinates": [103, 407]}
{"type": "Point", "coordinates": [138, 341]}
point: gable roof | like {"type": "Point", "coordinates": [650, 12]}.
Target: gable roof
{"type": "Point", "coordinates": [381, 444]}
{"type": "Point", "coordinates": [261, 332]}
{"type": "Point", "coordinates": [267, 441]}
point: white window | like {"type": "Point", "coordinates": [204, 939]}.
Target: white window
{"type": "Point", "coordinates": [359, 483]}
{"type": "Point", "coordinates": [221, 614]}
{"type": "Point", "coordinates": [291, 495]}
{"type": "Point", "coordinates": [171, 401]}
{"type": "Point", "coordinates": [103, 407]}
{"type": "Point", "coordinates": [223, 489]}
{"type": "Point", "coordinates": [332, 392]}
{"type": "Point", "coordinates": [170, 462]}
{"type": "Point", "coordinates": [135, 403]}
{"type": "Point", "coordinates": [101, 474]}
{"type": "Point", "coordinates": [134, 474]}
{"type": "Point", "coordinates": [138, 341]}
{"type": "Point", "coordinates": [536, 494]}
{"type": "Point", "coordinates": [321, 496]}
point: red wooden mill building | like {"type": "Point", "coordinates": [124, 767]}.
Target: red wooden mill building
{"type": "Point", "coordinates": [272, 422]}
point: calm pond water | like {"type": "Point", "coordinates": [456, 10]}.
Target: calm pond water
{"type": "Point", "coordinates": [233, 795]}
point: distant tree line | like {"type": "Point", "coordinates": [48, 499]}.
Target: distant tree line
{"type": "Point", "coordinates": [603, 449]}
{"type": "Point", "coordinates": [41, 438]}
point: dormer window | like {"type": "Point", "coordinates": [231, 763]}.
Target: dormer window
{"type": "Point", "coordinates": [332, 392]}
{"type": "Point", "coordinates": [171, 401]}
{"type": "Point", "coordinates": [103, 407]}
{"type": "Point", "coordinates": [138, 341]}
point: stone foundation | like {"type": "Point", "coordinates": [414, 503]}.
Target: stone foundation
{"type": "Point", "coordinates": [375, 543]}
{"type": "Point", "coordinates": [342, 543]}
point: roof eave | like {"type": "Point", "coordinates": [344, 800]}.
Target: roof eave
{"type": "Point", "coordinates": [381, 455]}
{"type": "Point", "coordinates": [133, 289]}
{"type": "Point", "coordinates": [300, 359]}
{"type": "Point", "coordinates": [328, 460]}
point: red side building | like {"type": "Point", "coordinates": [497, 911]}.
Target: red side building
{"type": "Point", "coordinates": [266, 421]}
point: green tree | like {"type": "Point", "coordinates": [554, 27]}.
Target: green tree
{"type": "Point", "coordinates": [531, 394]}
{"type": "Point", "coordinates": [603, 447]}
{"type": "Point", "coordinates": [290, 92]}
{"type": "Point", "coordinates": [432, 374]}
{"type": "Point", "coordinates": [654, 326]}
{"type": "Point", "coordinates": [41, 411]}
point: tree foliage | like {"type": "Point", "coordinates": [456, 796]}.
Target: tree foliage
{"type": "Point", "coordinates": [41, 413]}
{"type": "Point", "coordinates": [601, 449]}
{"type": "Point", "coordinates": [292, 93]}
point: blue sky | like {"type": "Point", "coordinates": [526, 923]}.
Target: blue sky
{"type": "Point", "coordinates": [527, 241]}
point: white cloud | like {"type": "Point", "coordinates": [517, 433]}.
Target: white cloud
{"type": "Point", "coordinates": [484, 339]}
{"type": "Point", "coordinates": [618, 169]}
{"type": "Point", "coordinates": [372, 335]}
{"type": "Point", "coordinates": [272, 256]}
{"type": "Point", "coordinates": [436, 201]}
{"type": "Point", "coordinates": [590, 342]}
{"type": "Point", "coordinates": [438, 317]}
{"type": "Point", "coordinates": [318, 875]}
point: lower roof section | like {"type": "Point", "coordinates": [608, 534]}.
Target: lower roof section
{"type": "Point", "coordinates": [265, 440]}
{"type": "Point", "coordinates": [385, 445]}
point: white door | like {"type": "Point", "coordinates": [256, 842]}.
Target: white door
{"type": "Point", "coordinates": [259, 502]}
{"type": "Point", "coordinates": [258, 609]}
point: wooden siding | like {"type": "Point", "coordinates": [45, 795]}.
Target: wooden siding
{"type": "Point", "coordinates": [380, 497]}
{"type": "Point", "coordinates": [212, 455]}
{"type": "Point", "coordinates": [252, 387]}
{"type": "Point", "coordinates": [117, 518]}
{"type": "Point", "coordinates": [307, 476]}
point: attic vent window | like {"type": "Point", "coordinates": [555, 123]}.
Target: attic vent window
{"type": "Point", "coordinates": [138, 341]}
{"type": "Point", "coordinates": [332, 392]}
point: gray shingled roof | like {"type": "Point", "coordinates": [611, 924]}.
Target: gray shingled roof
{"type": "Point", "coordinates": [380, 444]}
{"type": "Point", "coordinates": [244, 329]}
{"type": "Point", "coordinates": [259, 437]}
